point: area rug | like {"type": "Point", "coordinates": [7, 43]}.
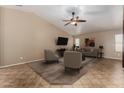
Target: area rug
{"type": "Point", "coordinates": [55, 74]}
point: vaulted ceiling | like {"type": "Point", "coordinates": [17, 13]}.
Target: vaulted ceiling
{"type": "Point", "coordinates": [99, 17]}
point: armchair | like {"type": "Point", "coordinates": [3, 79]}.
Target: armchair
{"type": "Point", "coordinates": [73, 60]}
{"type": "Point", "coordinates": [50, 56]}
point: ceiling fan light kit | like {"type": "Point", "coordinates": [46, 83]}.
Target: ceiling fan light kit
{"type": "Point", "coordinates": [74, 20]}
{"type": "Point", "coordinates": [73, 23]}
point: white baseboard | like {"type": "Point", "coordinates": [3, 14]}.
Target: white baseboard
{"type": "Point", "coordinates": [112, 58]}
{"type": "Point", "coordinates": [43, 59]}
{"type": "Point", "coordinates": [20, 63]}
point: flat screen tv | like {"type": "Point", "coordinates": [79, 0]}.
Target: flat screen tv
{"type": "Point", "coordinates": [62, 41]}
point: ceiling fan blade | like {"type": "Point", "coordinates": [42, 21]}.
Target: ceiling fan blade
{"type": "Point", "coordinates": [72, 19]}
{"type": "Point", "coordinates": [81, 20]}
{"type": "Point", "coordinates": [67, 23]}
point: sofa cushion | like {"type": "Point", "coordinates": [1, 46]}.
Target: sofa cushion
{"type": "Point", "coordinates": [86, 49]}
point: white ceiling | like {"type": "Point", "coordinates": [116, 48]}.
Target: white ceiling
{"type": "Point", "coordinates": [99, 17]}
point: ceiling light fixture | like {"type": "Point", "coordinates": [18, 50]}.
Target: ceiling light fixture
{"type": "Point", "coordinates": [74, 20]}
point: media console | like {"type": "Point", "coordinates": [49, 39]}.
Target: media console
{"type": "Point", "coordinates": [61, 51]}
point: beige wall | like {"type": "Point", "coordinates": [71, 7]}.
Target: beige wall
{"type": "Point", "coordinates": [26, 35]}
{"type": "Point", "coordinates": [0, 36]}
{"type": "Point", "coordinates": [105, 38]}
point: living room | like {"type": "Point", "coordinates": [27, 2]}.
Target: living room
{"type": "Point", "coordinates": [74, 46]}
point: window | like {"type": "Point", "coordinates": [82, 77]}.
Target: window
{"type": "Point", "coordinates": [118, 42]}
{"type": "Point", "coordinates": [77, 42]}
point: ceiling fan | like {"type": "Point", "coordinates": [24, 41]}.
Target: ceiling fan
{"type": "Point", "coordinates": [74, 20]}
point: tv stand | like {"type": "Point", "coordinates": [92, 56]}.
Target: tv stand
{"type": "Point", "coordinates": [61, 52]}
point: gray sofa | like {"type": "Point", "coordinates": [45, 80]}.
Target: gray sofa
{"type": "Point", "coordinates": [90, 52]}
